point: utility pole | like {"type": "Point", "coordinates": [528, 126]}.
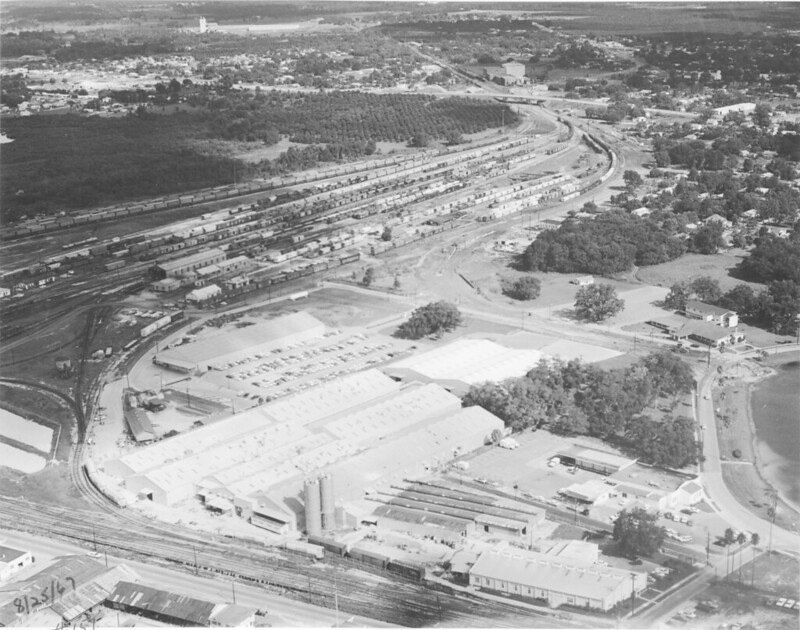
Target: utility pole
{"type": "Point", "coordinates": [194, 549]}
{"type": "Point", "coordinates": [233, 590]}
{"type": "Point", "coordinates": [633, 594]}
{"type": "Point", "coordinates": [772, 520]}
{"type": "Point", "coordinates": [94, 538]}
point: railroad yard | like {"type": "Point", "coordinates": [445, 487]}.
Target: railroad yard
{"type": "Point", "coordinates": [241, 409]}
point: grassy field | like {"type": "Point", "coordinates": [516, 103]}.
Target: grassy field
{"type": "Point", "coordinates": [691, 266]}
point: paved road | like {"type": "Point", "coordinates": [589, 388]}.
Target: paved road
{"type": "Point", "coordinates": [735, 513]}
{"type": "Point", "coordinates": [291, 612]}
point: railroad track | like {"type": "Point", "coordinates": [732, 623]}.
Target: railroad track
{"type": "Point", "coordinates": [386, 597]}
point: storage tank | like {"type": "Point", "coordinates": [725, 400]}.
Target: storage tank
{"type": "Point", "coordinates": [313, 511]}
{"type": "Point", "coordinates": [328, 502]}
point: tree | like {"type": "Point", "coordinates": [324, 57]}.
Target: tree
{"type": "Point", "coordinates": [524, 288]}
{"type": "Point", "coordinates": [669, 373]}
{"type": "Point", "coordinates": [396, 285]}
{"type": "Point", "coordinates": [433, 318]}
{"type": "Point", "coordinates": [590, 207]}
{"type": "Point", "coordinates": [762, 115]}
{"type": "Point", "coordinates": [638, 532]}
{"type": "Point", "coordinates": [386, 235]}
{"type": "Point", "coordinates": [597, 302]}
{"type": "Point", "coordinates": [782, 306]}
{"type": "Point", "coordinates": [669, 443]}
{"type": "Point", "coordinates": [632, 180]}
{"type": "Point", "coordinates": [706, 289]}
{"type": "Point", "coordinates": [708, 239]}
{"type": "Point", "coordinates": [420, 140]}
{"type": "Point", "coordinates": [369, 276]}
{"type": "Point", "coordinates": [676, 298]}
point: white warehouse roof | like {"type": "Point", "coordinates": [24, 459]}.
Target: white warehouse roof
{"type": "Point", "coordinates": [471, 361]}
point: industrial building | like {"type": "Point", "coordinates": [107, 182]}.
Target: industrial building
{"type": "Point", "coordinates": [178, 610]}
{"type": "Point", "coordinates": [227, 347]}
{"type": "Point", "coordinates": [465, 362]}
{"type": "Point", "coordinates": [450, 513]}
{"type": "Point", "coordinates": [182, 266]}
{"type": "Point", "coordinates": [361, 432]}
{"type": "Point", "coordinates": [594, 460]}
{"type": "Point", "coordinates": [555, 579]}
{"type": "Point", "coordinates": [13, 560]}
{"type": "Point", "coordinates": [203, 294]}
{"type": "Point", "coordinates": [139, 425]}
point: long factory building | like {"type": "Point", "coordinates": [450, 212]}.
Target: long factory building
{"type": "Point", "coordinates": [365, 430]}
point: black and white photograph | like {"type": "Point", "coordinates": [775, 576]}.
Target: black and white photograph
{"type": "Point", "coordinates": [379, 314]}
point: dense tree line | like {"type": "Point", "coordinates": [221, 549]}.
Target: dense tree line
{"type": "Point", "coordinates": [613, 242]}
{"type": "Point", "coordinates": [573, 398]}
{"type": "Point", "coordinates": [65, 162]}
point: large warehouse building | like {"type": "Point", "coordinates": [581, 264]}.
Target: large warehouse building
{"type": "Point", "coordinates": [465, 362]}
{"type": "Point", "coordinates": [244, 342]}
{"type": "Point", "coordinates": [364, 429]}
{"type": "Point", "coordinates": [554, 578]}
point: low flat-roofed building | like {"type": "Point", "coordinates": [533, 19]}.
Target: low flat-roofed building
{"type": "Point", "coordinates": [594, 460]}
{"type": "Point", "coordinates": [163, 606]}
{"type": "Point", "coordinates": [203, 294]}
{"type": "Point", "coordinates": [166, 285]}
{"type": "Point", "coordinates": [704, 332]}
{"type": "Point", "coordinates": [577, 551]}
{"type": "Point", "coordinates": [417, 523]}
{"type": "Point", "coordinates": [532, 575]}
{"type": "Point", "coordinates": [657, 489]}
{"type": "Point", "coordinates": [12, 561]}
{"type": "Point", "coordinates": [261, 337]}
{"type": "Point", "coordinates": [233, 616]}
{"type": "Point", "coordinates": [180, 266]}
{"type": "Point", "coordinates": [592, 492]}
{"type": "Point", "coordinates": [468, 361]}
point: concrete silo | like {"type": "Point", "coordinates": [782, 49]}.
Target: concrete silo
{"type": "Point", "coordinates": [328, 502]}
{"type": "Point", "coordinates": [313, 507]}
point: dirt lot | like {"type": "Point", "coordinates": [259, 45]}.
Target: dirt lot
{"type": "Point", "coordinates": [775, 576]}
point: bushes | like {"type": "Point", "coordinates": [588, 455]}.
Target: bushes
{"type": "Point", "coordinates": [525, 288]}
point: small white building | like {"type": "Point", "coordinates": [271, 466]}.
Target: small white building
{"type": "Point", "coordinates": [583, 281]}
{"type": "Point", "coordinates": [12, 561]}
{"type": "Point", "coordinates": [203, 294]}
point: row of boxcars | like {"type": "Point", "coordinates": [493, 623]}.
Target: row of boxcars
{"type": "Point", "coordinates": [64, 220]}
{"type": "Point", "coordinates": [318, 546]}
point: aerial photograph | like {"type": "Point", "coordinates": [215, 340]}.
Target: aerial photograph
{"type": "Point", "coordinates": [371, 314]}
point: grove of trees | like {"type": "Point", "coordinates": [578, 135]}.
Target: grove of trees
{"type": "Point", "coordinates": [432, 319]}
{"type": "Point", "coordinates": [612, 243]}
{"type": "Point", "coordinates": [573, 398]}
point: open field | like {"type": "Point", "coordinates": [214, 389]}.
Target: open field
{"type": "Point", "coordinates": [691, 266]}
{"type": "Point", "coordinates": [47, 409]}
